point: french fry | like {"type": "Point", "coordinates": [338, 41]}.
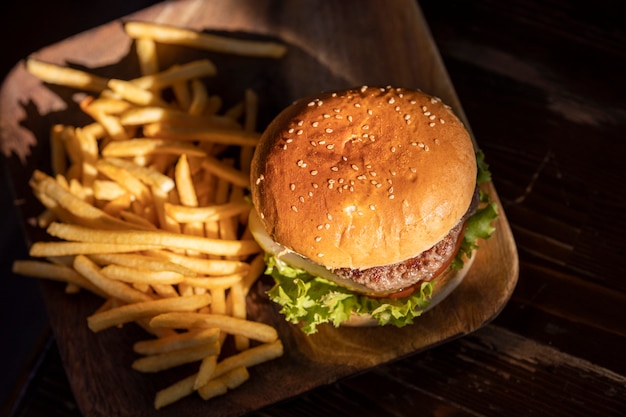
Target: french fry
{"type": "Point", "coordinates": [147, 175]}
{"type": "Point", "coordinates": [155, 238]}
{"type": "Point", "coordinates": [62, 273]}
{"type": "Point", "coordinates": [125, 179]}
{"type": "Point", "coordinates": [133, 275]}
{"type": "Point", "coordinates": [232, 325]}
{"type": "Point", "coordinates": [250, 357]}
{"type": "Point", "coordinates": [226, 172]}
{"type": "Point", "coordinates": [168, 360]}
{"type": "Point", "coordinates": [149, 263]}
{"type": "Point", "coordinates": [167, 78]}
{"type": "Point", "coordinates": [69, 77]}
{"type": "Point", "coordinates": [177, 341]}
{"type": "Point", "coordinates": [147, 55]}
{"type": "Point", "coordinates": [203, 266]}
{"type": "Point", "coordinates": [147, 146]}
{"type": "Point", "coordinates": [85, 212]}
{"type": "Point", "coordinates": [134, 311]}
{"type": "Point", "coordinates": [174, 392]}
{"type": "Point", "coordinates": [219, 386]}
{"type": "Point", "coordinates": [45, 249]}
{"type": "Point", "coordinates": [135, 94]}
{"type": "Point", "coordinates": [107, 190]}
{"type": "Point", "coordinates": [112, 288]}
{"type": "Point", "coordinates": [183, 214]}
{"type": "Point", "coordinates": [191, 38]}
{"type": "Point", "coordinates": [209, 134]}
{"type": "Point", "coordinates": [207, 367]}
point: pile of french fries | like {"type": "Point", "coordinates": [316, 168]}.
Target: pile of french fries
{"type": "Point", "coordinates": [146, 207]}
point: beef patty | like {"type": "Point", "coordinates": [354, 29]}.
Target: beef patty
{"type": "Point", "coordinates": [423, 267]}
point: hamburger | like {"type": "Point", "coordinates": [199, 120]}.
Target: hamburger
{"type": "Point", "coordinates": [367, 204]}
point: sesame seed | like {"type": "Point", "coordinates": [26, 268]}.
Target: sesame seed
{"type": "Point", "coordinates": [407, 116]}
{"type": "Point", "coordinates": [292, 186]}
{"type": "Point", "coordinates": [314, 185]}
{"type": "Point", "coordinates": [301, 199]}
{"type": "Point", "coordinates": [397, 108]}
{"type": "Point", "coordinates": [319, 103]}
{"type": "Point", "coordinates": [412, 101]}
{"type": "Point", "coordinates": [320, 226]}
{"type": "Point", "coordinates": [299, 132]}
{"type": "Point", "coordinates": [321, 255]}
{"type": "Point", "coordinates": [393, 149]}
{"type": "Point", "coordinates": [350, 119]}
{"type": "Point", "coordinates": [413, 170]}
{"type": "Point", "coordinates": [432, 117]}
{"type": "Point", "coordinates": [301, 163]}
{"type": "Point", "coordinates": [424, 108]}
{"type": "Point", "coordinates": [300, 122]}
{"type": "Point", "coordinates": [258, 181]}
{"type": "Point", "coordinates": [363, 89]}
{"type": "Point", "coordinates": [426, 113]}
{"type": "Point", "coordinates": [315, 124]}
{"type": "Point", "coordinates": [354, 167]}
{"type": "Point", "coordinates": [373, 182]}
{"type": "Point", "coordinates": [391, 196]}
{"type": "Point", "coordinates": [326, 116]}
{"type": "Point", "coordinates": [310, 193]}
{"type": "Point", "coordinates": [329, 216]}
{"type": "Point", "coordinates": [372, 173]}
{"type": "Point", "coordinates": [372, 207]}
{"type": "Point", "coordinates": [357, 105]}
{"type": "Point", "coordinates": [413, 143]}
{"type": "Point", "coordinates": [285, 147]}
{"type": "Point", "coordinates": [334, 169]}
{"type": "Point", "coordinates": [390, 190]}
{"type": "Point", "coordinates": [426, 148]}
{"type": "Point", "coordinates": [442, 121]}
{"type": "Point", "coordinates": [436, 140]}
{"type": "Point", "coordinates": [330, 146]}
{"type": "Point", "coordinates": [345, 158]}
{"type": "Point", "coordinates": [394, 173]}
{"type": "Point", "coordinates": [368, 166]}
{"type": "Point", "coordinates": [289, 140]}
{"type": "Point", "coordinates": [311, 104]}
{"type": "Point", "coordinates": [314, 172]}
{"type": "Point", "coordinates": [361, 177]}
{"type": "Point", "coordinates": [318, 238]}
{"type": "Point", "coordinates": [313, 143]}
{"type": "Point", "coordinates": [329, 130]}
{"type": "Point", "coordinates": [262, 216]}
{"type": "Point", "coordinates": [433, 100]}
{"type": "Point", "coordinates": [431, 124]}
{"type": "Point", "coordinates": [392, 100]}
{"type": "Point", "coordinates": [327, 226]}
{"type": "Point", "coordinates": [291, 130]}
{"type": "Point", "coordinates": [294, 208]}
{"type": "Point", "coordinates": [370, 112]}
{"type": "Point", "coordinates": [338, 117]}
{"type": "Point", "coordinates": [365, 127]}
{"type": "Point", "coordinates": [337, 110]}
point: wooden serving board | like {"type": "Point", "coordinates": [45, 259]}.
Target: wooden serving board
{"type": "Point", "coordinates": [332, 44]}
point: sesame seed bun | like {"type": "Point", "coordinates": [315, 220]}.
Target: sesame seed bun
{"type": "Point", "coordinates": [363, 177]}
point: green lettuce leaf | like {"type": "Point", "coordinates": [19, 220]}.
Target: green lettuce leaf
{"type": "Point", "coordinates": [310, 301]}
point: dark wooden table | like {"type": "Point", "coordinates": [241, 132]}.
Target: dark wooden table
{"type": "Point", "coordinates": [542, 86]}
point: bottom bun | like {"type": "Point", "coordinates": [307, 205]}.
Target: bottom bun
{"type": "Point", "coordinates": [444, 285]}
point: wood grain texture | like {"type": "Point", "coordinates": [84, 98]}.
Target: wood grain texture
{"type": "Point", "coordinates": [325, 52]}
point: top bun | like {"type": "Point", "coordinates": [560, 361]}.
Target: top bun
{"type": "Point", "coordinates": [363, 177]}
